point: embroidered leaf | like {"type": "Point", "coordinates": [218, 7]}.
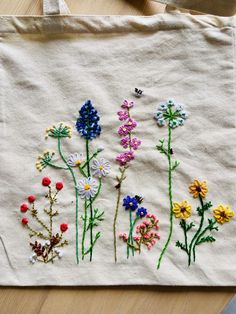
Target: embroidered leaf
{"type": "Point", "coordinates": [206, 239]}
{"type": "Point", "coordinates": [97, 236]}
{"type": "Point", "coordinates": [96, 218]}
{"type": "Point", "coordinates": [175, 164]}
{"type": "Point", "coordinates": [181, 246]}
{"type": "Point", "coordinates": [205, 207]}
{"type": "Point", "coordinates": [211, 225]}
{"type": "Point", "coordinates": [189, 226]}
{"type": "Point", "coordinates": [161, 147]}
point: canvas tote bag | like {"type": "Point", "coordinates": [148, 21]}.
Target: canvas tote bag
{"type": "Point", "coordinates": [117, 155]}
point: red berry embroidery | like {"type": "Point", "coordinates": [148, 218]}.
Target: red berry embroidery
{"type": "Point", "coordinates": [46, 181]}
{"type": "Point", "coordinates": [31, 198]}
{"type": "Point", "coordinates": [63, 227]}
{"type": "Point", "coordinates": [59, 186]}
{"type": "Point", "coordinates": [24, 221]}
{"type": "Point", "coordinates": [24, 208]}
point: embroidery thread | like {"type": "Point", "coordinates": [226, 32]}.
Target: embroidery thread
{"type": "Point", "coordinates": [145, 231]}
{"type": "Point", "coordinates": [48, 245]}
{"type": "Point", "coordinates": [130, 144]}
{"type": "Point", "coordinates": [173, 115]}
{"type": "Point", "coordinates": [203, 234]}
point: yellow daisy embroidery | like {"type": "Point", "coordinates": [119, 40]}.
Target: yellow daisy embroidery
{"type": "Point", "coordinates": [223, 214]}
{"type": "Point", "coordinates": [182, 210]}
{"type": "Point", "coordinates": [198, 188]}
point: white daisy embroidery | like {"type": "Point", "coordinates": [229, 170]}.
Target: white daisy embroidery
{"type": "Point", "coordinates": [75, 159]}
{"type": "Point", "coordinates": [100, 167]}
{"type": "Point", "coordinates": [87, 187]}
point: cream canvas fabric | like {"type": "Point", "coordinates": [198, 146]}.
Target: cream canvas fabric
{"type": "Point", "coordinates": [50, 67]}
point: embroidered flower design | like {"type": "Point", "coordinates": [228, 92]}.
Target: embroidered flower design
{"type": "Point", "coordinates": [61, 130]}
{"type": "Point", "coordinates": [123, 115]}
{"type": "Point", "coordinates": [100, 167]}
{"type": "Point", "coordinates": [75, 160]}
{"type": "Point", "coordinates": [44, 160]}
{"type": "Point", "coordinates": [197, 188]}
{"type": "Point", "coordinates": [87, 123]}
{"type": "Point", "coordinates": [204, 232]}
{"type": "Point", "coordinates": [130, 144]}
{"type": "Point", "coordinates": [87, 187]}
{"type": "Point", "coordinates": [141, 212]}
{"type": "Point", "coordinates": [182, 210]}
{"type": "Point", "coordinates": [47, 241]}
{"type": "Point", "coordinates": [223, 214]}
{"type": "Point", "coordinates": [125, 131]}
{"type": "Point", "coordinates": [135, 143]}
{"type": "Point", "coordinates": [130, 202]}
{"type": "Point", "coordinates": [171, 113]}
{"type": "Point", "coordinates": [145, 231]}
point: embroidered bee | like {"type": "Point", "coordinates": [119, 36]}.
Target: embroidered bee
{"type": "Point", "coordinates": [139, 199]}
{"type": "Point", "coordinates": [138, 92]}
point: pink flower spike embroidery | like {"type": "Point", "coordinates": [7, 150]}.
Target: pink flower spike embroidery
{"type": "Point", "coordinates": [127, 104]}
{"type": "Point", "coordinates": [123, 130]}
{"type": "Point", "coordinates": [129, 156]}
{"type": "Point", "coordinates": [135, 143]}
{"type": "Point", "coordinates": [121, 159]}
{"type": "Point", "coordinates": [123, 115]}
{"type": "Point", "coordinates": [131, 124]}
{"type": "Point", "coordinates": [125, 142]}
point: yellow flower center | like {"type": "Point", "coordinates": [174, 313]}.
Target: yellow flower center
{"type": "Point", "coordinates": [78, 162]}
{"type": "Point", "coordinates": [87, 186]}
{"type": "Point", "coordinates": [130, 204]}
{"type": "Point", "coordinates": [101, 168]}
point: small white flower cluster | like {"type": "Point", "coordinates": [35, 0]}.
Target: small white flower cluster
{"type": "Point", "coordinates": [59, 253]}
{"type": "Point", "coordinates": [33, 258]}
{"type": "Point", "coordinates": [172, 112]}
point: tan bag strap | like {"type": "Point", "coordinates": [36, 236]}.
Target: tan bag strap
{"type": "Point", "coordinates": [215, 7]}
{"type": "Point", "coordinates": [55, 7]}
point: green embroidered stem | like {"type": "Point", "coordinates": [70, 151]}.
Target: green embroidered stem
{"type": "Point", "coordinates": [90, 158]}
{"type": "Point", "coordinates": [76, 198]}
{"type": "Point", "coordinates": [92, 200]}
{"type": "Point", "coordinates": [90, 203]}
{"type": "Point", "coordinates": [209, 227]}
{"type": "Point", "coordinates": [82, 172]}
{"type": "Point", "coordinates": [197, 233]}
{"type": "Point", "coordinates": [185, 236]}
{"type": "Point", "coordinates": [130, 236]}
{"type": "Point", "coordinates": [132, 224]}
{"type": "Point", "coordinates": [120, 180]}
{"type": "Point", "coordinates": [57, 167]}
{"type": "Point", "coordinates": [170, 196]}
{"type": "Point", "coordinates": [85, 227]}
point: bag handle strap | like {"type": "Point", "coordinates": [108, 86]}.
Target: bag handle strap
{"type": "Point", "coordinates": [215, 7]}
{"type": "Point", "coordinates": [55, 7]}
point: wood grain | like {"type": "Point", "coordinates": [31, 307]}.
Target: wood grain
{"type": "Point", "coordinates": [123, 300]}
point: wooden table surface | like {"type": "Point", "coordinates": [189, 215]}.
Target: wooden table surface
{"type": "Point", "coordinates": [135, 300]}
